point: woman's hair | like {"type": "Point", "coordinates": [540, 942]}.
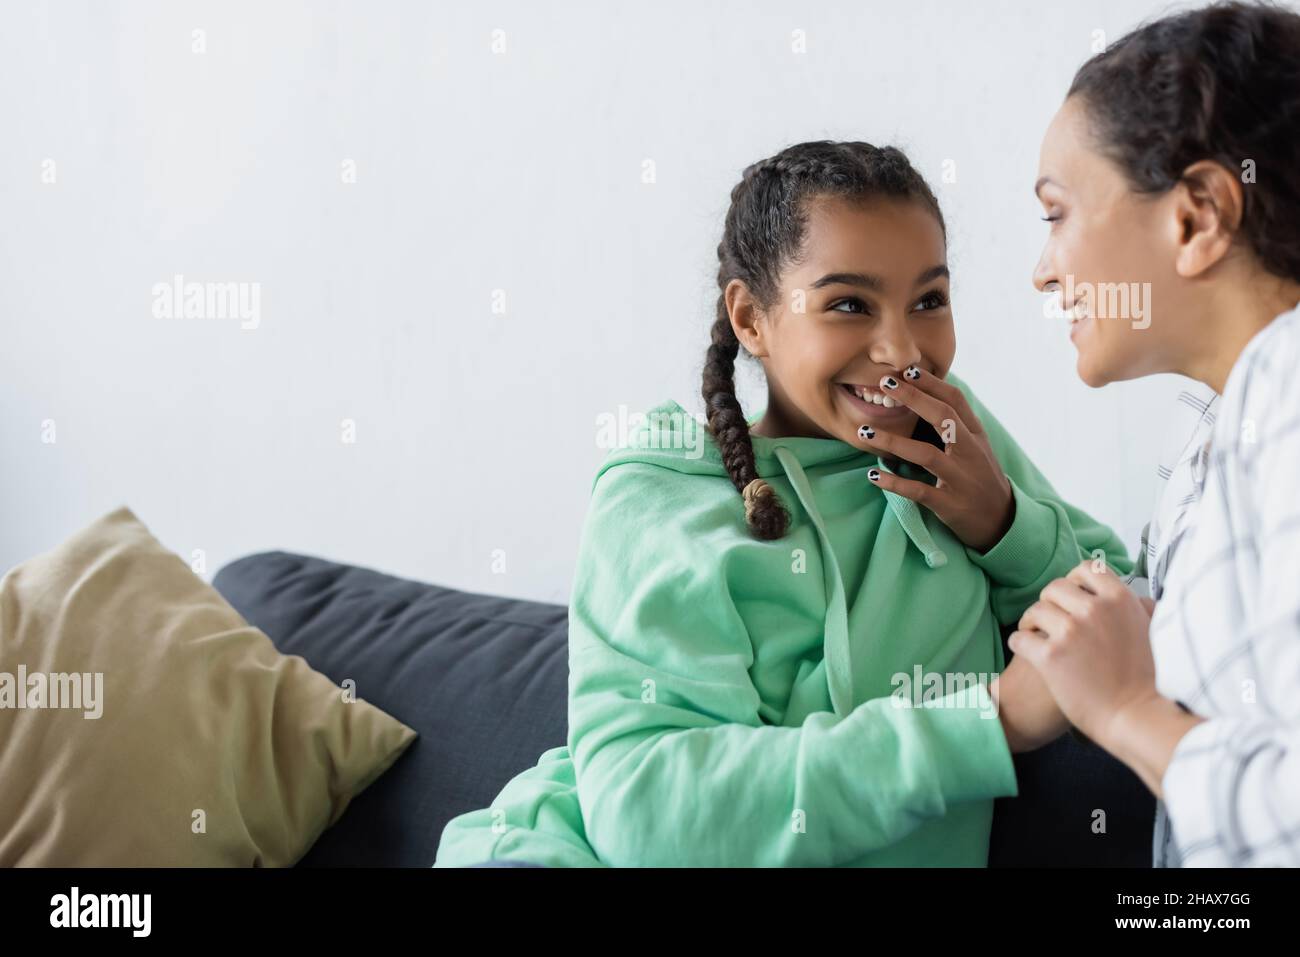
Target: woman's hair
{"type": "Point", "coordinates": [764, 229]}
{"type": "Point", "coordinates": [1220, 83]}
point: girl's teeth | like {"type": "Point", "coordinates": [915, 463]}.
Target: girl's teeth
{"type": "Point", "coordinates": [877, 398]}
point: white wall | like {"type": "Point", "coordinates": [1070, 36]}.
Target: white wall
{"type": "Point", "coordinates": [475, 171]}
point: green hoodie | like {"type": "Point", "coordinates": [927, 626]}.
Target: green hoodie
{"type": "Point", "coordinates": [816, 700]}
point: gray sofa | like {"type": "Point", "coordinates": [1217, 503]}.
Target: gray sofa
{"type": "Point", "coordinates": [484, 680]}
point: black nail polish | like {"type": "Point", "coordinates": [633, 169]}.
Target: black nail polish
{"type": "Point", "coordinates": [866, 432]}
{"type": "Point", "coordinates": [912, 372]}
{"type": "Point", "coordinates": [873, 474]}
{"type": "Point", "coordinates": [890, 382]}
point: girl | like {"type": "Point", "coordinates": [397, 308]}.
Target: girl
{"type": "Point", "coordinates": [1173, 163]}
{"type": "Point", "coordinates": [783, 629]}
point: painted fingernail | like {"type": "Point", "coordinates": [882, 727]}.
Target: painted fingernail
{"type": "Point", "coordinates": [866, 432]}
{"type": "Point", "coordinates": [873, 474]}
{"type": "Point", "coordinates": [889, 382]}
{"type": "Point", "coordinates": [912, 372]}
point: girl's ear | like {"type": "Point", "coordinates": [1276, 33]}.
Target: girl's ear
{"type": "Point", "coordinates": [1207, 210]}
{"type": "Point", "coordinates": [747, 319]}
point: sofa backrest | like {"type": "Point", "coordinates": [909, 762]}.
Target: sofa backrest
{"type": "Point", "coordinates": [484, 680]}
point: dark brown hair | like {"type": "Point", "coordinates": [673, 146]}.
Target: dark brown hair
{"type": "Point", "coordinates": [764, 229]}
{"type": "Point", "coordinates": [1220, 83]}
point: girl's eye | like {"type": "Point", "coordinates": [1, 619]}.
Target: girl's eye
{"type": "Point", "coordinates": [859, 305]}
{"type": "Point", "coordinates": [1051, 219]}
{"type": "Point", "coordinates": [934, 300]}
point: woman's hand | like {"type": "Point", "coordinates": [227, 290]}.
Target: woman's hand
{"type": "Point", "coordinates": [1089, 637]}
{"type": "Point", "coordinates": [973, 496]}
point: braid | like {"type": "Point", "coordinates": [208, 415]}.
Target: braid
{"type": "Point", "coordinates": [764, 513]}
{"type": "Point", "coordinates": [763, 229]}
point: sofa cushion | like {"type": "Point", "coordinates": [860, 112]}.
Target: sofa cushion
{"type": "Point", "coordinates": [143, 723]}
{"type": "Point", "coordinates": [482, 679]}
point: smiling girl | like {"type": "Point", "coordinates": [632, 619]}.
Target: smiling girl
{"type": "Point", "coordinates": [749, 626]}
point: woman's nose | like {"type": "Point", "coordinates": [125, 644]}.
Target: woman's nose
{"type": "Point", "coordinates": [1044, 274]}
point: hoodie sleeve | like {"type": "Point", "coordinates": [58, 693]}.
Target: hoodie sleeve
{"type": "Point", "coordinates": [674, 765]}
{"type": "Point", "coordinates": [1048, 536]}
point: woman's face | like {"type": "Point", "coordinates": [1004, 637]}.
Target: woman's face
{"type": "Point", "coordinates": [867, 297]}
{"type": "Point", "coordinates": [1110, 252]}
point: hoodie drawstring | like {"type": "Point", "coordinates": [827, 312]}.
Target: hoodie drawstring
{"type": "Point", "coordinates": [839, 671]}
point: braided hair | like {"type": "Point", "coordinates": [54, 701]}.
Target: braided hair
{"type": "Point", "coordinates": [763, 230]}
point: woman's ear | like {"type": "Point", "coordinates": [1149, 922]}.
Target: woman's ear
{"type": "Point", "coordinates": [1208, 210]}
{"type": "Point", "coordinates": [747, 320]}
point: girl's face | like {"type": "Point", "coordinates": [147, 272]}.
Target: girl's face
{"type": "Point", "coordinates": [1111, 253]}
{"type": "Point", "coordinates": [867, 297]}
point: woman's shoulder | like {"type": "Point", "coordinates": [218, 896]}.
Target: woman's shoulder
{"type": "Point", "coordinates": [1268, 362]}
{"type": "Point", "coordinates": [1261, 398]}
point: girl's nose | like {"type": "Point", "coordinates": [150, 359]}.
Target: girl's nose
{"type": "Point", "coordinates": [896, 349]}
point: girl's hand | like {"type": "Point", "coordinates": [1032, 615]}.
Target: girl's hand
{"type": "Point", "coordinates": [1089, 637]}
{"type": "Point", "coordinates": [973, 496]}
{"type": "Point", "coordinates": [1030, 716]}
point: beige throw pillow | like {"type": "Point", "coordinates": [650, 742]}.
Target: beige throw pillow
{"type": "Point", "coordinates": [143, 722]}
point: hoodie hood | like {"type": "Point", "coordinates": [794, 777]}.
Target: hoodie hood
{"type": "Point", "coordinates": [671, 437]}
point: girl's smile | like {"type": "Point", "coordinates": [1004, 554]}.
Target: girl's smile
{"type": "Point", "coordinates": [876, 407]}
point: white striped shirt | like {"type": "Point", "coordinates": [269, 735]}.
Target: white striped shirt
{"type": "Point", "coordinates": [1180, 483]}
{"type": "Point", "coordinates": [1226, 630]}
